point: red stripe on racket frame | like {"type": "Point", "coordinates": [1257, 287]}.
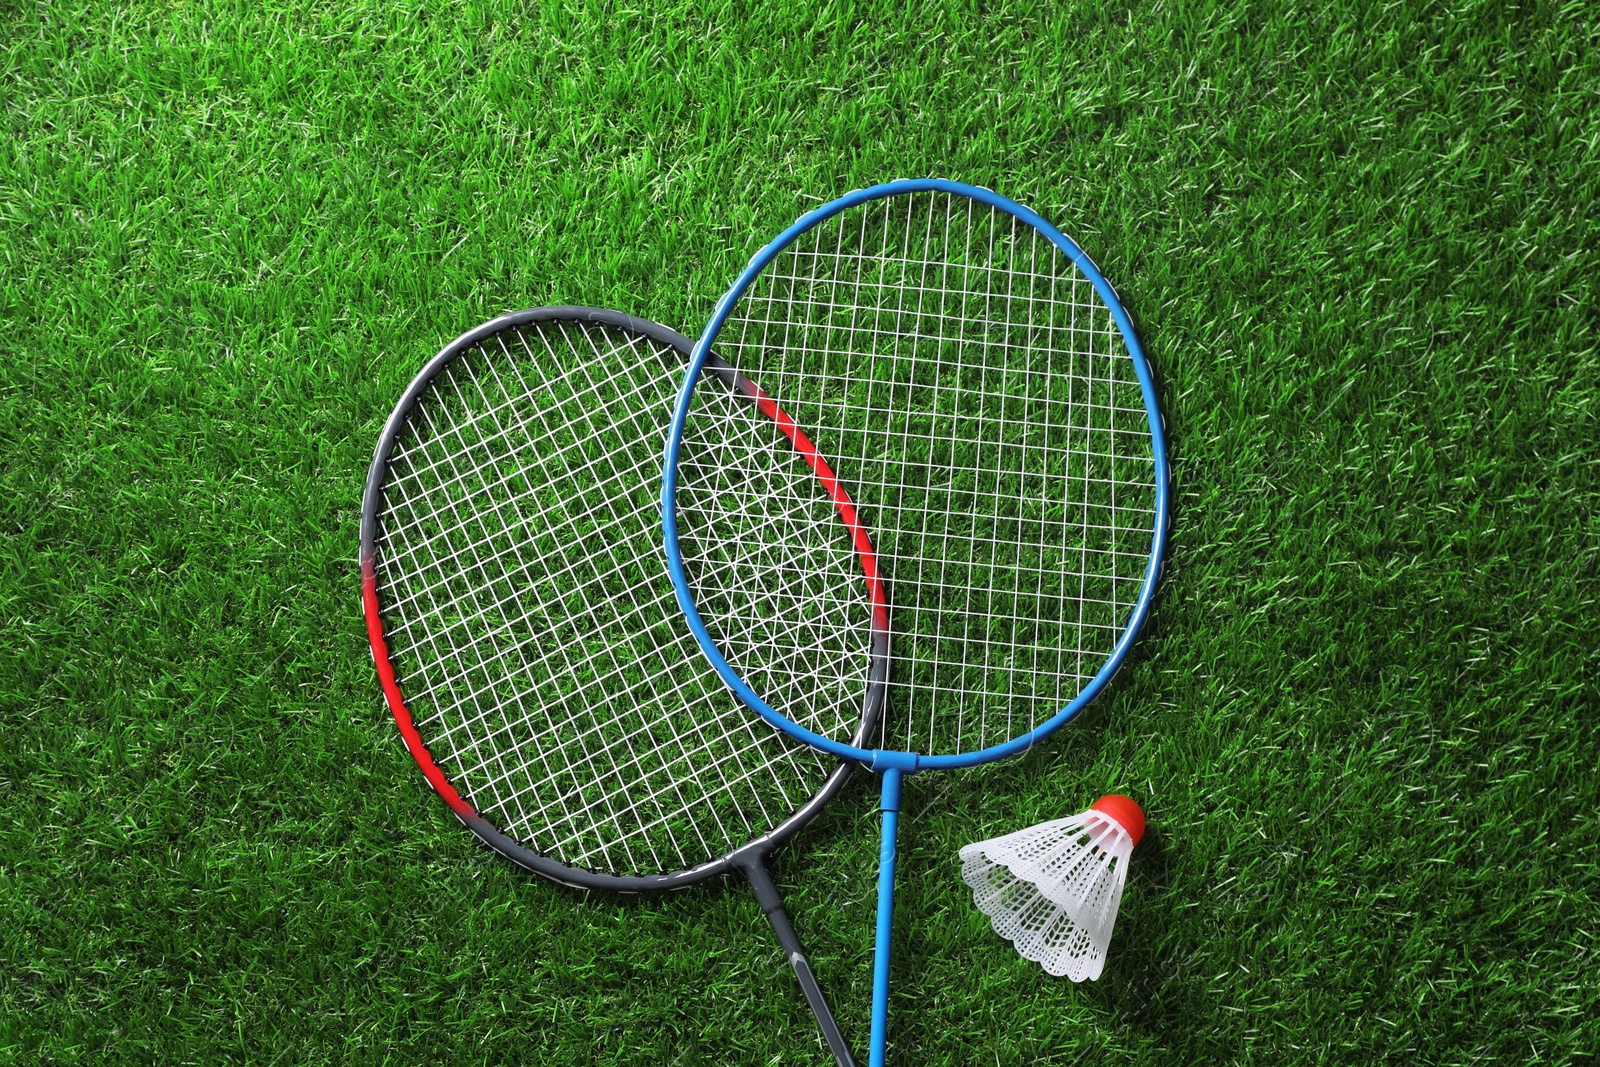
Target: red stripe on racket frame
{"type": "Point", "coordinates": [836, 492]}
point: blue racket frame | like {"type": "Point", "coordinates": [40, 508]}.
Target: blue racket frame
{"type": "Point", "coordinates": [895, 765]}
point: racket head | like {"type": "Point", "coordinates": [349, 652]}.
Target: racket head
{"type": "Point", "coordinates": [522, 624]}
{"type": "Point", "coordinates": [814, 350]}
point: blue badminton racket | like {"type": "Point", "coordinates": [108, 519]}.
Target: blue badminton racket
{"type": "Point", "coordinates": [982, 399]}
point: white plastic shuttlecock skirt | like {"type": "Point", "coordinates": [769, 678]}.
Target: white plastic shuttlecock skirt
{"type": "Point", "coordinates": [1053, 889]}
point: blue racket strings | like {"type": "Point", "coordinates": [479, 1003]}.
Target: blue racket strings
{"type": "Point", "coordinates": [978, 392]}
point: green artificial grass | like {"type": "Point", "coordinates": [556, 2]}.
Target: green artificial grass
{"type": "Point", "coordinates": [1359, 241]}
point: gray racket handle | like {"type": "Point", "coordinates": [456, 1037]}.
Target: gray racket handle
{"type": "Point", "coordinates": [767, 896]}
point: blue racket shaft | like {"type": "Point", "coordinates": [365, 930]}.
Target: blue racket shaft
{"type": "Point", "coordinates": [890, 805]}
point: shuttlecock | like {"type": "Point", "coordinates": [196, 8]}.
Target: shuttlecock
{"type": "Point", "coordinates": [1053, 889]}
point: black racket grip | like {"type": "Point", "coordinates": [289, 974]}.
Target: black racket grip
{"type": "Point", "coordinates": [767, 897]}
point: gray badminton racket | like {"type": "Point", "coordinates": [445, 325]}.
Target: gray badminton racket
{"type": "Point", "coordinates": [525, 631]}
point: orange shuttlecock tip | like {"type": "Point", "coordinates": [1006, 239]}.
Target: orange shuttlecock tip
{"type": "Point", "coordinates": [1125, 811]}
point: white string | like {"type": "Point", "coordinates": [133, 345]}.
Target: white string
{"type": "Point", "coordinates": [972, 392]}
{"type": "Point", "coordinates": [532, 626]}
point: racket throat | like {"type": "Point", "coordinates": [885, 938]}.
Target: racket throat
{"type": "Point", "coordinates": [899, 762]}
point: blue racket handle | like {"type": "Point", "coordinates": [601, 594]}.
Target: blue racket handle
{"type": "Point", "coordinates": [890, 805]}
